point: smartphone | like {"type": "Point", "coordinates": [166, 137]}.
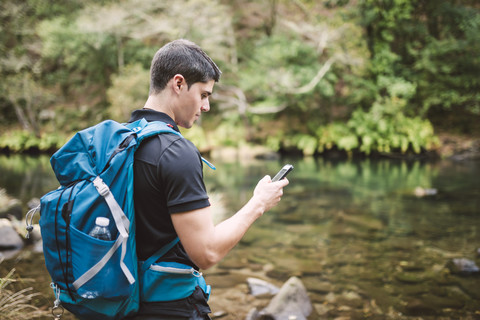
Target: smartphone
{"type": "Point", "coordinates": [283, 172]}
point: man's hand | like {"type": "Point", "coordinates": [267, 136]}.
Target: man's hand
{"type": "Point", "coordinates": [267, 193]}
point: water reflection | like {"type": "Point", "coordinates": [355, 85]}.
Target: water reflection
{"type": "Point", "coordinates": [355, 231]}
{"type": "Point", "coordinates": [26, 177]}
{"type": "Point", "coordinates": [361, 239]}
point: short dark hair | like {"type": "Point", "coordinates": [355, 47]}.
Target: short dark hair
{"type": "Point", "coordinates": [181, 57]}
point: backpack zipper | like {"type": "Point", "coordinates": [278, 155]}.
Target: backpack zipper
{"type": "Point", "coordinates": [176, 270]}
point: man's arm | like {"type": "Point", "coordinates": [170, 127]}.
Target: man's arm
{"type": "Point", "coordinates": [205, 243]}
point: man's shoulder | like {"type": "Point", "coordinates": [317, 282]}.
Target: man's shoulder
{"type": "Point", "coordinates": [164, 141]}
{"type": "Point", "coordinates": [154, 148]}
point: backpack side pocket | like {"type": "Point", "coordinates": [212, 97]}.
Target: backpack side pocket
{"type": "Point", "coordinates": [167, 281]}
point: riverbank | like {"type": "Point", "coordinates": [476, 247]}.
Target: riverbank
{"type": "Point", "coordinates": [454, 146]}
{"type": "Point", "coordinates": [457, 147]}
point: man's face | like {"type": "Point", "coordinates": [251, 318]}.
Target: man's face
{"type": "Point", "coordinates": [193, 102]}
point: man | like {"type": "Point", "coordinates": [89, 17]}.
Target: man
{"type": "Point", "coordinates": [169, 192]}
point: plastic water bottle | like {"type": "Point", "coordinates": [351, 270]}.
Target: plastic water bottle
{"type": "Point", "coordinates": [100, 231]}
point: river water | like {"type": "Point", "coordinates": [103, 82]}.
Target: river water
{"type": "Point", "coordinates": [368, 238]}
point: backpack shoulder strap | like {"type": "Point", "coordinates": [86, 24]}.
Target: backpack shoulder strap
{"type": "Point", "coordinates": [145, 129]}
{"type": "Point", "coordinates": [157, 255]}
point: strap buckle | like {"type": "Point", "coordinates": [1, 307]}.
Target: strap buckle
{"type": "Point", "coordinates": [102, 188]}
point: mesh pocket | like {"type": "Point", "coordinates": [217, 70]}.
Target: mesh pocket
{"type": "Point", "coordinates": [110, 281]}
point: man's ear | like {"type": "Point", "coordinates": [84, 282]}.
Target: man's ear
{"type": "Point", "coordinates": [178, 82]}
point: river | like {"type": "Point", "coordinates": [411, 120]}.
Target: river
{"type": "Point", "coordinates": [368, 238]}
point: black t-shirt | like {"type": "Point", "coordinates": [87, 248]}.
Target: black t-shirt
{"type": "Point", "coordinates": [168, 179]}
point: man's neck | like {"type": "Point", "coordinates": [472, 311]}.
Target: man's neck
{"type": "Point", "coordinates": [157, 103]}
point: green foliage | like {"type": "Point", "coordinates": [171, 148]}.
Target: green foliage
{"type": "Point", "coordinates": [336, 135]}
{"type": "Point", "coordinates": [227, 134]}
{"type": "Point", "coordinates": [51, 9]}
{"type": "Point", "coordinates": [22, 140]}
{"type": "Point", "coordinates": [67, 65]}
{"type": "Point", "coordinates": [452, 84]}
{"type": "Point", "coordinates": [306, 143]}
{"type": "Point", "coordinates": [52, 141]}
{"type": "Point", "coordinates": [385, 128]}
{"type": "Point", "coordinates": [197, 135]}
{"type": "Point", "coordinates": [273, 142]}
{"type": "Point", "coordinates": [365, 133]}
{"type": "Point", "coordinates": [75, 58]}
{"type": "Point", "coordinates": [383, 132]}
{"type": "Point", "coordinates": [16, 141]}
{"type": "Point", "coordinates": [128, 91]}
{"type": "Point", "coordinates": [277, 64]}
{"type": "Point", "coordinates": [433, 44]}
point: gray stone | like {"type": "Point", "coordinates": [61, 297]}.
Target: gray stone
{"type": "Point", "coordinates": [9, 238]}
{"type": "Point", "coordinates": [259, 287]}
{"type": "Point", "coordinates": [9, 205]}
{"type": "Point", "coordinates": [253, 314]}
{"type": "Point", "coordinates": [38, 246]}
{"type": "Point", "coordinates": [462, 266]}
{"type": "Point", "coordinates": [291, 302]}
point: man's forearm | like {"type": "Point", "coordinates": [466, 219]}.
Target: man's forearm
{"type": "Point", "coordinates": [207, 244]}
{"type": "Point", "coordinates": [230, 231]}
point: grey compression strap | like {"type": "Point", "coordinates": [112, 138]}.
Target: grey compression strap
{"type": "Point", "coordinates": [121, 220]}
{"type": "Point", "coordinates": [122, 223]}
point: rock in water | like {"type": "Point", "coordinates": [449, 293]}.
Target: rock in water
{"type": "Point", "coordinates": [291, 302]}
{"type": "Point", "coordinates": [9, 205]}
{"type": "Point", "coordinates": [462, 266]}
{"type": "Point", "coordinates": [10, 241]}
{"type": "Point", "coordinates": [422, 192]}
{"type": "Point", "coordinates": [260, 287]}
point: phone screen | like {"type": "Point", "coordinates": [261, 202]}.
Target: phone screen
{"type": "Point", "coordinates": [283, 172]}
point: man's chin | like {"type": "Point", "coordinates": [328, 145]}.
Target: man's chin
{"type": "Point", "coordinates": [185, 125]}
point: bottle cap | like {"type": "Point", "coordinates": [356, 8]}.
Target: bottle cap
{"type": "Point", "coordinates": [102, 221]}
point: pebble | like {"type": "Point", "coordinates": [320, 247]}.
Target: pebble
{"type": "Point", "coordinates": [462, 266]}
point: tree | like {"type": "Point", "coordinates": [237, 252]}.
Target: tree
{"type": "Point", "coordinates": [17, 64]}
{"type": "Point", "coordinates": [433, 44]}
{"type": "Point", "coordinates": [28, 99]}
{"type": "Point", "coordinates": [23, 94]}
{"type": "Point", "coordinates": [128, 91]}
{"type": "Point", "coordinates": [155, 22]}
{"type": "Point", "coordinates": [294, 68]}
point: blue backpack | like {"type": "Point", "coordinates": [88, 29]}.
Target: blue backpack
{"type": "Point", "coordinates": [101, 279]}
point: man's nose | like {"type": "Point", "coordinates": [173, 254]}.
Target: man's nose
{"type": "Point", "coordinates": [205, 107]}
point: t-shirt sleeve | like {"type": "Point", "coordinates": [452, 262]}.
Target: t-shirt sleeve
{"type": "Point", "coordinates": [181, 170]}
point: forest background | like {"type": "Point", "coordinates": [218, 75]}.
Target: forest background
{"type": "Point", "coordinates": [360, 77]}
